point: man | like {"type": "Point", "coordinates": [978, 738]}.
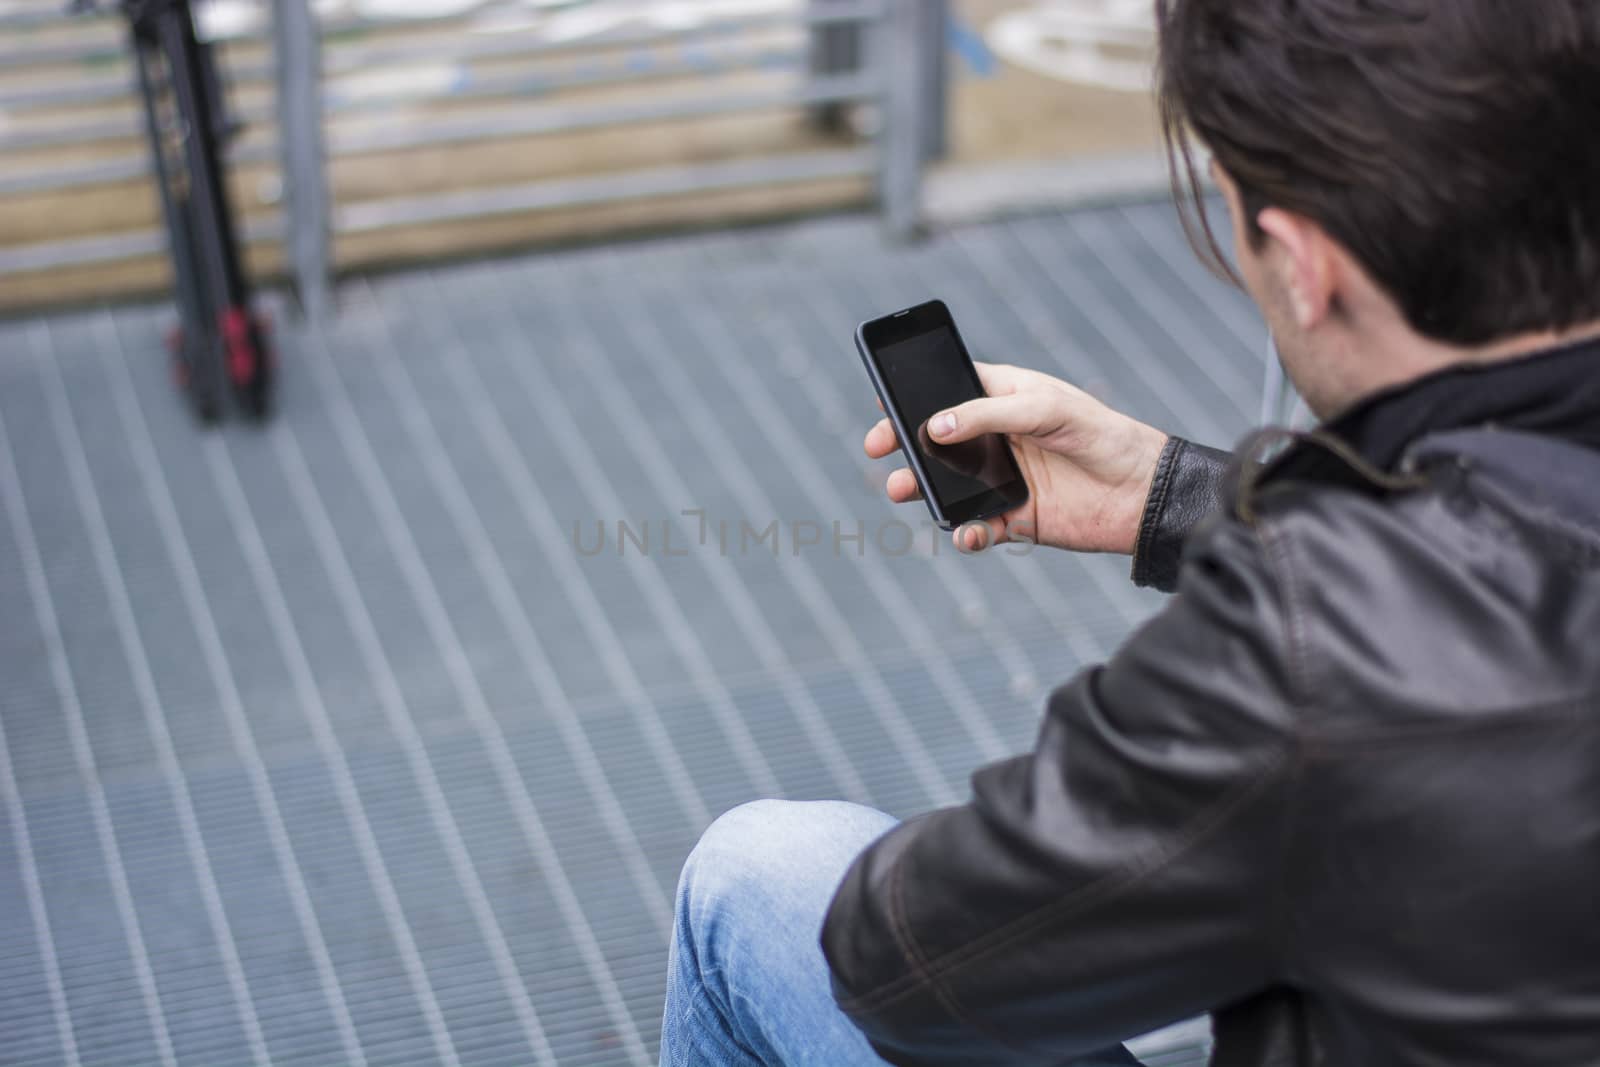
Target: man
{"type": "Point", "coordinates": [1344, 791]}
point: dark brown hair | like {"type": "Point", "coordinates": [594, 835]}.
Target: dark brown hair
{"type": "Point", "coordinates": [1453, 146]}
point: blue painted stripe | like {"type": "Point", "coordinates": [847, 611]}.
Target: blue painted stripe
{"type": "Point", "coordinates": [969, 44]}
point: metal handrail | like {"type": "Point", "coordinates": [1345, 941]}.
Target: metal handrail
{"type": "Point", "coordinates": [731, 60]}
{"type": "Point", "coordinates": [508, 45]}
{"type": "Point", "coordinates": [135, 244]}
{"type": "Point", "coordinates": [456, 130]}
{"type": "Point", "coordinates": [646, 184]}
{"type": "Point", "coordinates": [569, 119]}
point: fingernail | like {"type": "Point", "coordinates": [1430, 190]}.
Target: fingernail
{"type": "Point", "coordinates": [944, 424]}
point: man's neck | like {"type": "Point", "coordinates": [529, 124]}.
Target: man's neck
{"type": "Point", "coordinates": [1548, 391]}
{"type": "Point", "coordinates": [1408, 356]}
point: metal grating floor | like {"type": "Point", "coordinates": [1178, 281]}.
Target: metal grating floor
{"type": "Point", "coordinates": [329, 743]}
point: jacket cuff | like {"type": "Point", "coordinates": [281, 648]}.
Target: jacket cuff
{"type": "Point", "coordinates": [1187, 488]}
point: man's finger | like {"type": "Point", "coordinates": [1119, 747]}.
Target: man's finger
{"type": "Point", "coordinates": [881, 440]}
{"type": "Point", "coordinates": [902, 487]}
{"type": "Point", "coordinates": [1025, 414]}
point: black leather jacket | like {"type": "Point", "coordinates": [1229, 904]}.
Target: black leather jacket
{"type": "Point", "coordinates": [1343, 792]}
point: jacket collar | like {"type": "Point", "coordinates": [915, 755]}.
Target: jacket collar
{"type": "Point", "coordinates": [1554, 393]}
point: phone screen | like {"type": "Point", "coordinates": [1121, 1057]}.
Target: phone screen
{"type": "Point", "coordinates": [924, 374]}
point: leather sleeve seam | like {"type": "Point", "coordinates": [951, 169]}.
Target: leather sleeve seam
{"type": "Point", "coordinates": [1276, 549]}
{"type": "Point", "coordinates": [1277, 546]}
{"type": "Point", "coordinates": [920, 966]}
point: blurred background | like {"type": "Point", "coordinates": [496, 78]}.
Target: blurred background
{"type": "Point", "coordinates": [439, 120]}
{"type": "Point", "coordinates": [377, 731]}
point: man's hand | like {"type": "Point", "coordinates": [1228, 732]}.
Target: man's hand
{"type": "Point", "coordinates": [1088, 468]}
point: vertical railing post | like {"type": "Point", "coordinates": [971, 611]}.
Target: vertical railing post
{"type": "Point", "coordinates": [900, 41]}
{"type": "Point", "coordinates": [297, 50]}
{"type": "Point", "coordinates": [935, 78]}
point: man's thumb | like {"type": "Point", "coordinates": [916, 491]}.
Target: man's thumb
{"type": "Point", "coordinates": [988, 414]}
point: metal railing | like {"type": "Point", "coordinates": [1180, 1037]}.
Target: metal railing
{"type": "Point", "coordinates": [885, 55]}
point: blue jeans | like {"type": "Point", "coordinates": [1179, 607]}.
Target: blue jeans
{"type": "Point", "coordinates": [747, 985]}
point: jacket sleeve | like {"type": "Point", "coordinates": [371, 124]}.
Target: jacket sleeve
{"type": "Point", "coordinates": [1187, 488]}
{"type": "Point", "coordinates": [1120, 877]}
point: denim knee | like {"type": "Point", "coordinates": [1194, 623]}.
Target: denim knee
{"type": "Point", "coordinates": [772, 860]}
{"type": "Point", "coordinates": [747, 980]}
{"type": "Point", "coordinates": [737, 837]}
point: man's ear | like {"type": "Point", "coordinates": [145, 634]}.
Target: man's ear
{"type": "Point", "coordinates": [1304, 263]}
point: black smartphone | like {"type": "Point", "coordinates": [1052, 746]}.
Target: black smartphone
{"type": "Point", "coordinates": [920, 367]}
